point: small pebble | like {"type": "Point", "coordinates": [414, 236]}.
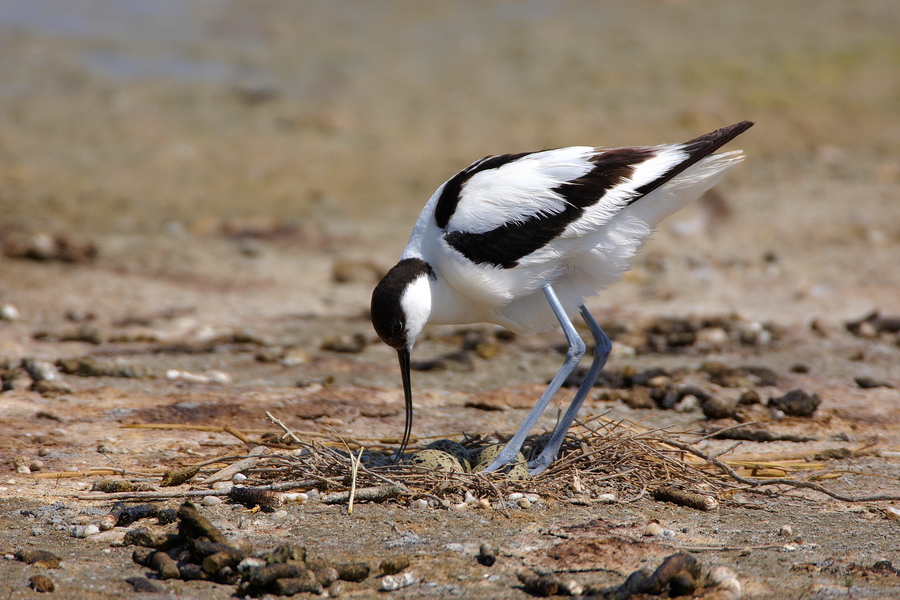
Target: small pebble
{"type": "Point", "coordinates": [420, 504]}
{"type": "Point", "coordinates": [295, 497]}
{"type": "Point", "coordinates": [279, 515]}
{"type": "Point", "coordinates": [394, 564]}
{"type": "Point", "coordinates": [239, 477]}
{"type": "Point", "coordinates": [8, 312]}
{"type": "Point", "coordinates": [222, 485]}
{"type": "Point", "coordinates": [892, 512]}
{"type": "Point", "coordinates": [570, 587]}
{"type": "Point", "coordinates": [607, 498]}
{"type": "Point", "coordinates": [211, 501]}
{"type": "Point", "coordinates": [524, 503]}
{"type": "Point", "coordinates": [653, 529]}
{"type": "Point", "coordinates": [390, 583]}
{"type": "Point", "coordinates": [786, 531]}
{"type": "Point", "coordinates": [83, 531]}
{"type": "Point", "coordinates": [41, 583]}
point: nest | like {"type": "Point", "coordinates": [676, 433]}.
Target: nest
{"type": "Point", "coordinates": [599, 456]}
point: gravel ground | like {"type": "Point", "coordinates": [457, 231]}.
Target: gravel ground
{"type": "Point", "coordinates": [196, 199]}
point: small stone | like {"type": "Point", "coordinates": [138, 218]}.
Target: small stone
{"type": "Point", "coordinates": [390, 583]}
{"type": "Point", "coordinates": [394, 564]}
{"type": "Point", "coordinates": [866, 382]}
{"type": "Point", "coordinates": [719, 407]}
{"type": "Point", "coordinates": [420, 504]}
{"type": "Point", "coordinates": [607, 498]}
{"type": "Point", "coordinates": [239, 477]}
{"type": "Point", "coordinates": [41, 583]}
{"type": "Point", "coordinates": [653, 529]}
{"type": "Point", "coordinates": [797, 403]}
{"type": "Point", "coordinates": [524, 503]}
{"type": "Point", "coordinates": [786, 531]}
{"type": "Point", "coordinates": [892, 512]}
{"type": "Point", "coordinates": [9, 312]}
{"type": "Point", "coordinates": [211, 501]}
{"type": "Point", "coordinates": [90, 530]}
{"type": "Point", "coordinates": [41, 558]}
{"type": "Point", "coordinates": [21, 465]}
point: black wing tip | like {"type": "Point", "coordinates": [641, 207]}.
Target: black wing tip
{"type": "Point", "coordinates": [718, 138]}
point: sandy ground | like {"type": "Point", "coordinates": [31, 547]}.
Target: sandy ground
{"type": "Point", "coordinates": [244, 171]}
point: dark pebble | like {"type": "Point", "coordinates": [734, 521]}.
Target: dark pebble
{"type": "Point", "coordinates": [539, 585]}
{"type": "Point", "coordinates": [193, 525]}
{"type": "Point", "coordinates": [142, 584]}
{"type": "Point", "coordinates": [717, 407]}
{"type": "Point", "coordinates": [487, 556]}
{"type": "Point", "coordinates": [394, 564]}
{"type": "Point", "coordinates": [352, 571]}
{"type": "Point", "coordinates": [41, 558]}
{"type": "Point", "coordinates": [797, 403]}
{"type": "Point", "coordinates": [148, 539]}
{"type": "Point", "coordinates": [41, 583]}
{"type": "Point", "coordinates": [289, 587]}
{"type": "Point", "coordinates": [870, 382]}
{"type": "Point", "coordinates": [164, 565]}
{"type": "Point", "coordinates": [283, 554]}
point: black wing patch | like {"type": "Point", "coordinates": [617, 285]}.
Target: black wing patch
{"type": "Point", "coordinates": [504, 246]}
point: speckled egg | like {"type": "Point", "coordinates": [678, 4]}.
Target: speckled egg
{"type": "Point", "coordinates": [518, 470]}
{"type": "Point", "coordinates": [436, 460]}
{"type": "Point", "coordinates": [454, 449]}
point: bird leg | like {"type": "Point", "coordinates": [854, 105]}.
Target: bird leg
{"type": "Point", "coordinates": [573, 355]}
{"type": "Point", "coordinates": [602, 349]}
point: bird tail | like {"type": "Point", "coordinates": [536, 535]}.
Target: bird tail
{"type": "Point", "coordinates": [682, 189]}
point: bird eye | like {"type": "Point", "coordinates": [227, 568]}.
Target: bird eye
{"type": "Point", "coordinates": [397, 327]}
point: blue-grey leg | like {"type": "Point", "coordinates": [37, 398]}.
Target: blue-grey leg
{"type": "Point", "coordinates": [602, 349]}
{"type": "Point", "coordinates": [573, 355]}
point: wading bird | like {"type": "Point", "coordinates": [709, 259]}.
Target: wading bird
{"type": "Point", "coordinates": [520, 240]}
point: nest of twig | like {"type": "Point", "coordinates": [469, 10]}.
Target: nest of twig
{"type": "Point", "coordinates": [599, 456]}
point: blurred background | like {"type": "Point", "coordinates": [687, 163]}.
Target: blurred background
{"type": "Point", "coordinates": [320, 128]}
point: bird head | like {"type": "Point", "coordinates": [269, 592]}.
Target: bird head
{"type": "Point", "coordinates": [401, 304]}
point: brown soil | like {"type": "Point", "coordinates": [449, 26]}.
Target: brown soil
{"type": "Point", "coordinates": [246, 170]}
